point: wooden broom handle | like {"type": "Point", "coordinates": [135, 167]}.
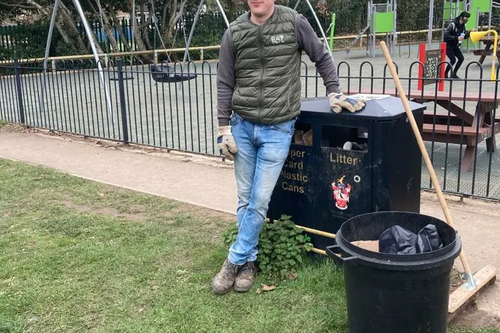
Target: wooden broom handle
{"type": "Point", "coordinates": [425, 155]}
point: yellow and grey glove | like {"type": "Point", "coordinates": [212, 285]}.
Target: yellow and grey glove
{"type": "Point", "coordinates": [226, 143]}
{"type": "Point", "coordinates": [339, 101]}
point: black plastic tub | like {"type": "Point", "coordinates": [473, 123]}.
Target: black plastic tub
{"type": "Point", "coordinates": [395, 293]}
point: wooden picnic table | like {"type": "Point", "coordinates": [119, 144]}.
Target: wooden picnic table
{"type": "Point", "coordinates": [460, 127]}
{"type": "Point", "coordinates": [487, 51]}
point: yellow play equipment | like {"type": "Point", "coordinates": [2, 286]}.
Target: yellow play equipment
{"type": "Point", "coordinates": [476, 37]}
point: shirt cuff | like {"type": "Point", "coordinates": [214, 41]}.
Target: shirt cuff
{"type": "Point", "coordinates": [223, 122]}
{"type": "Point", "coordinates": [333, 89]}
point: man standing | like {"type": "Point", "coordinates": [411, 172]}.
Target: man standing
{"type": "Point", "coordinates": [454, 36]}
{"type": "Point", "coordinates": [259, 93]}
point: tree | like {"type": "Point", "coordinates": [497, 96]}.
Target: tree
{"type": "Point", "coordinates": [41, 10]}
{"type": "Point", "coordinates": [162, 15]}
{"type": "Point", "coordinates": [153, 20]}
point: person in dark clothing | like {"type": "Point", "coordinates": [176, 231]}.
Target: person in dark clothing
{"type": "Point", "coordinates": [454, 35]}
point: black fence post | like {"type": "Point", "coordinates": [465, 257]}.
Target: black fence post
{"type": "Point", "coordinates": [19, 91]}
{"type": "Point", "coordinates": [123, 106]}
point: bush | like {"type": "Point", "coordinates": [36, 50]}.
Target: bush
{"type": "Point", "coordinates": [282, 247]}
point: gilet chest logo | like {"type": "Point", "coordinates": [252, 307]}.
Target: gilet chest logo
{"type": "Point", "coordinates": [279, 39]}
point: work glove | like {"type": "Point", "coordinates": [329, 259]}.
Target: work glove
{"type": "Point", "coordinates": [226, 143]}
{"type": "Point", "coordinates": [339, 101]}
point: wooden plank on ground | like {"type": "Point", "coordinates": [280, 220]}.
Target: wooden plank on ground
{"type": "Point", "coordinates": [462, 295]}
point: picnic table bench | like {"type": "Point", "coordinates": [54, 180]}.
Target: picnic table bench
{"type": "Point", "coordinates": [459, 126]}
{"type": "Point", "coordinates": [487, 51]}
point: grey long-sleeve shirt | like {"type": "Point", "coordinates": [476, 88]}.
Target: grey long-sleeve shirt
{"type": "Point", "coordinates": [308, 42]}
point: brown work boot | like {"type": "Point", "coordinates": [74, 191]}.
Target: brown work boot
{"type": "Point", "coordinates": [244, 280]}
{"type": "Point", "coordinates": [224, 280]}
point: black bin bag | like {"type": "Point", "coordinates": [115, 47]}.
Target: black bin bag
{"type": "Point", "coordinates": [428, 239]}
{"type": "Point", "coordinates": [398, 240]}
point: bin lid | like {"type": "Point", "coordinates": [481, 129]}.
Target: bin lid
{"type": "Point", "coordinates": [381, 109]}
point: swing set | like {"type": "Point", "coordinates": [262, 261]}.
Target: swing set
{"type": "Point", "coordinates": [88, 31]}
{"type": "Point", "coordinates": [129, 76]}
{"type": "Point", "coordinates": [165, 72]}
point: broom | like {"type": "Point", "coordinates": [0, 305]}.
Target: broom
{"type": "Point", "coordinates": [474, 282]}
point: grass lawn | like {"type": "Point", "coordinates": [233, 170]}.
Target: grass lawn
{"type": "Point", "coordinates": [78, 256]}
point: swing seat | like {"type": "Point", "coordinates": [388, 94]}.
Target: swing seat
{"type": "Point", "coordinates": [166, 73]}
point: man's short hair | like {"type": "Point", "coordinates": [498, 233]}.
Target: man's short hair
{"type": "Point", "coordinates": [464, 14]}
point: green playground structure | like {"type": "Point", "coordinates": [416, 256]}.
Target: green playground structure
{"type": "Point", "coordinates": [332, 30]}
{"type": "Point", "coordinates": [476, 8]}
{"type": "Point", "coordinates": [381, 19]}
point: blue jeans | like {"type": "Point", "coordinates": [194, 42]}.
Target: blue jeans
{"type": "Point", "coordinates": [262, 150]}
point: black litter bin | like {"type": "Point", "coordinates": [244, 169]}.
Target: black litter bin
{"type": "Point", "coordinates": [347, 164]}
{"type": "Point", "coordinates": [395, 293]}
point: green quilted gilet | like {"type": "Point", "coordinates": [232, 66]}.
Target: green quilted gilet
{"type": "Point", "coordinates": [267, 68]}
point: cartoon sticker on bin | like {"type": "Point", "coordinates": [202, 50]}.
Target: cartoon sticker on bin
{"type": "Point", "coordinates": [341, 193]}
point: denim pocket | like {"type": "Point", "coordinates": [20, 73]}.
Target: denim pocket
{"type": "Point", "coordinates": [235, 119]}
{"type": "Point", "coordinates": [286, 127]}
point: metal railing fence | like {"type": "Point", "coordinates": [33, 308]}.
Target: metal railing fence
{"type": "Point", "coordinates": [129, 105]}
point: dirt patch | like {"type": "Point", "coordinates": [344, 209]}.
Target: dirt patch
{"type": "Point", "coordinates": [459, 203]}
{"type": "Point", "coordinates": [212, 221]}
{"type": "Point", "coordinates": [15, 128]}
{"type": "Point", "coordinates": [455, 280]}
{"type": "Point", "coordinates": [475, 318]}
{"type": "Point", "coordinates": [205, 213]}
{"type": "Point", "coordinates": [108, 211]}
